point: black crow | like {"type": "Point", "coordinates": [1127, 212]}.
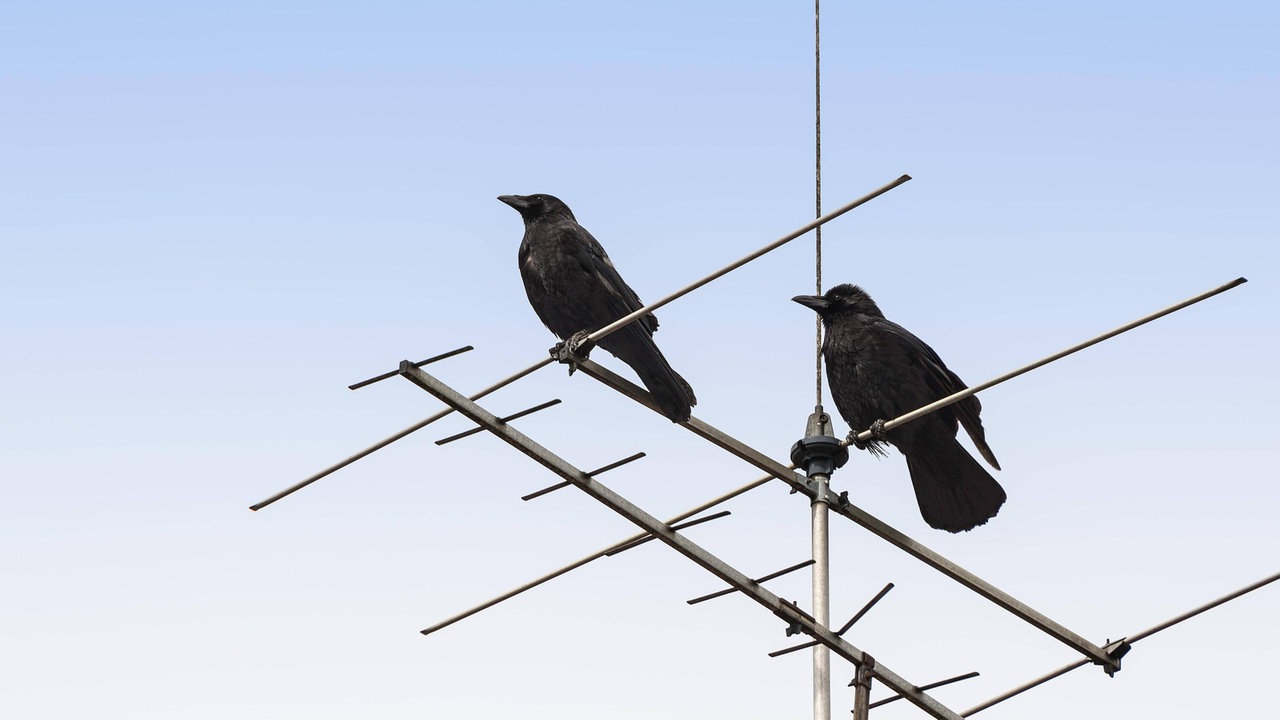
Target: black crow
{"type": "Point", "coordinates": [877, 371]}
{"type": "Point", "coordinates": [573, 287]}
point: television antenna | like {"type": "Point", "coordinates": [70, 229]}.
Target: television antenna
{"type": "Point", "coordinates": [815, 457]}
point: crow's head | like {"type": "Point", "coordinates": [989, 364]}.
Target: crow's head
{"type": "Point", "coordinates": [533, 207]}
{"type": "Point", "coordinates": [840, 300]}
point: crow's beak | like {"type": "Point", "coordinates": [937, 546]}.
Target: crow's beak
{"type": "Point", "coordinates": [516, 201]}
{"type": "Point", "coordinates": [817, 303]}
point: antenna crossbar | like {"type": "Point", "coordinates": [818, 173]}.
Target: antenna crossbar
{"type": "Point", "coordinates": [420, 363]}
{"type": "Point", "coordinates": [761, 579]}
{"type": "Point", "coordinates": [1129, 640]}
{"type": "Point", "coordinates": [841, 506]}
{"type": "Point", "coordinates": [593, 337]}
{"type": "Point", "coordinates": [507, 418]}
{"type": "Point", "coordinates": [611, 550]}
{"type": "Point", "coordinates": [717, 567]}
{"type": "Point", "coordinates": [597, 471]}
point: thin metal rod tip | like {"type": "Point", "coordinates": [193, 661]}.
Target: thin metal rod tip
{"type": "Point", "coordinates": [865, 609]}
{"type": "Point", "coordinates": [651, 307]}
{"type": "Point", "coordinates": [679, 526]}
{"type": "Point", "coordinates": [865, 435]}
{"type": "Point", "coordinates": [405, 367]}
{"type": "Point", "coordinates": [761, 579]}
{"type": "Point", "coordinates": [509, 418]}
{"type": "Point", "coordinates": [420, 363]}
{"type": "Point", "coordinates": [566, 483]}
{"type": "Point", "coordinates": [924, 688]}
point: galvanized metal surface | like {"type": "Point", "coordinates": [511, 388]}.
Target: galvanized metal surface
{"type": "Point", "coordinates": [844, 628]}
{"type": "Point", "coordinates": [782, 609]}
{"type": "Point", "coordinates": [821, 545]}
{"type": "Point", "coordinates": [867, 520]}
{"type": "Point", "coordinates": [761, 579]}
{"type": "Point", "coordinates": [597, 471]}
{"type": "Point", "coordinates": [505, 418]}
{"type": "Point", "coordinates": [930, 686]}
{"type": "Point", "coordinates": [1128, 640]}
{"type": "Point", "coordinates": [674, 526]}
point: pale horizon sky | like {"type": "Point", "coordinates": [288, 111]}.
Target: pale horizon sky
{"type": "Point", "coordinates": [215, 217]}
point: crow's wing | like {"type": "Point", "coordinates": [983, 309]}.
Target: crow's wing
{"type": "Point", "coordinates": [943, 382]}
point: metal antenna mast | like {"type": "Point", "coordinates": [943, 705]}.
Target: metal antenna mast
{"type": "Point", "coordinates": [820, 536]}
{"type": "Point", "coordinates": [818, 454]}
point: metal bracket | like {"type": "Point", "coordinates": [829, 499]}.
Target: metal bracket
{"type": "Point", "coordinates": [820, 453]}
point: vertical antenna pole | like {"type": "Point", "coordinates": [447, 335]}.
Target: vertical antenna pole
{"type": "Point", "coordinates": [821, 600]}
{"type": "Point", "coordinates": [819, 537]}
{"type": "Point", "coordinates": [817, 189]}
{"type": "Point", "coordinates": [820, 453]}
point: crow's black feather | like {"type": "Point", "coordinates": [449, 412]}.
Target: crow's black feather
{"type": "Point", "coordinates": [573, 287]}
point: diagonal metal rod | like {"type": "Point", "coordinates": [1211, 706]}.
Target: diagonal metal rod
{"type": "Point", "coordinates": [763, 578]}
{"type": "Point", "coordinates": [420, 363]}
{"type": "Point", "coordinates": [508, 418]}
{"type": "Point", "coordinates": [566, 483]}
{"type": "Point", "coordinates": [597, 555]}
{"type": "Point", "coordinates": [625, 319]}
{"type": "Point", "coordinates": [677, 526]}
{"type": "Point", "coordinates": [866, 435]}
{"type": "Point", "coordinates": [1130, 640]}
{"type": "Point", "coordinates": [782, 609]}
{"type": "Point", "coordinates": [842, 506]}
{"type": "Point", "coordinates": [930, 686]}
{"type": "Point", "coordinates": [595, 336]}
{"type": "Point", "coordinates": [865, 609]}
{"type": "Point", "coordinates": [402, 434]}
{"type": "Point", "coordinates": [844, 628]}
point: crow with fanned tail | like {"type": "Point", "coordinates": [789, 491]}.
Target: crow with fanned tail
{"type": "Point", "coordinates": [877, 371]}
{"type": "Point", "coordinates": [574, 287]}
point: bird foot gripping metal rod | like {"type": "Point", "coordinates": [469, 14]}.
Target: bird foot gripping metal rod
{"type": "Point", "coordinates": [840, 505]}
{"type": "Point", "coordinates": [593, 337]}
{"type": "Point", "coordinates": [881, 427]}
{"type": "Point", "coordinates": [780, 608]}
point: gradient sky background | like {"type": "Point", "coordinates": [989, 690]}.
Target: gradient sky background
{"type": "Point", "coordinates": [215, 217]}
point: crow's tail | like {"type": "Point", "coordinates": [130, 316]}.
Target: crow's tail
{"type": "Point", "coordinates": [954, 492]}
{"type": "Point", "coordinates": [672, 394]}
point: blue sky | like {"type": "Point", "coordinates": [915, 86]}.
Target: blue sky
{"type": "Point", "coordinates": [214, 218]}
